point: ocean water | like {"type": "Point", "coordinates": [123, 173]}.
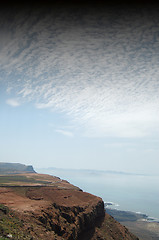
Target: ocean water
{"type": "Point", "coordinates": [137, 193]}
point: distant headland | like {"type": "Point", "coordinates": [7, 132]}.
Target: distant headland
{"type": "Point", "coordinates": [15, 168]}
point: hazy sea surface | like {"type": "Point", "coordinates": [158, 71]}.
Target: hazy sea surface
{"type": "Point", "coordinates": [137, 193]}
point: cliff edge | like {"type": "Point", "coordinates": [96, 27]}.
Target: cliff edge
{"type": "Point", "coordinates": [57, 210]}
{"type": "Point", "coordinates": [15, 168]}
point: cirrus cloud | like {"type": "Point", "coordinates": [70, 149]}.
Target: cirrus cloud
{"type": "Point", "coordinates": [102, 74]}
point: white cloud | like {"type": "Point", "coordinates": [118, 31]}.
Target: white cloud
{"type": "Point", "coordinates": [13, 102]}
{"type": "Point", "coordinates": [65, 133]}
{"type": "Point", "coordinates": [104, 76]}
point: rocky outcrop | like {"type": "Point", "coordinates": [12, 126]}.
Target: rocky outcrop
{"type": "Point", "coordinates": [70, 212]}
{"type": "Point", "coordinates": [72, 215]}
{"type": "Point", "coordinates": [61, 212]}
{"type": "Point", "coordinates": [69, 222]}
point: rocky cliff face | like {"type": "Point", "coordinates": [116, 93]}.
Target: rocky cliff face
{"type": "Point", "coordinates": [70, 214]}
{"type": "Point", "coordinates": [61, 212]}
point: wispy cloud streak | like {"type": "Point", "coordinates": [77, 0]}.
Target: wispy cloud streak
{"type": "Point", "coordinates": [13, 102]}
{"type": "Point", "coordinates": [65, 133]}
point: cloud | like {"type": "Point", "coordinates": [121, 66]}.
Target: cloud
{"type": "Point", "coordinates": [13, 102]}
{"type": "Point", "coordinates": [65, 133]}
{"type": "Point", "coordinates": [102, 74]}
{"type": "Point", "coordinates": [131, 145]}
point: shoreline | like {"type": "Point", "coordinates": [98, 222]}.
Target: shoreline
{"type": "Point", "coordinates": [134, 216]}
{"type": "Point", "coordinates": [143, 226]}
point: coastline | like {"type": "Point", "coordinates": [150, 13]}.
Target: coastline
{"type": "Point", "coordinates": [123, 215]}
{"type": "Point", "coordinates": [55, 209]}
{"type": "Point", "coordinates": [143, 226]}
{"type": "Point", "coordinates": [95, 182]}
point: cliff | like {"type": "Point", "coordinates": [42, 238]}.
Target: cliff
{"type": "Point", "coordinates": [10, 168]}
{"type": "Point", "coordinates": [58, 210]}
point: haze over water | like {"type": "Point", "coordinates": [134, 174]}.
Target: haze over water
{"type": "Point", "coordinates": [137, 193]}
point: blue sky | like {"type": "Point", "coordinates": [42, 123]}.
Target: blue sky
{"type": "Point", "coordinates": [79, 88]}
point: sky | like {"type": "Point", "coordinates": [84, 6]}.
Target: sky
{"type": "Point", "coordinates": [79, 87]}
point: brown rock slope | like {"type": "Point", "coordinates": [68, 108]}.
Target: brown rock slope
{"type": "Point", "coordinates": [58, 210]}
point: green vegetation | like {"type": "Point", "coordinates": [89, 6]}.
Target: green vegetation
{"type": "Point", "coordinates": [11, 227]}
{"type": "Point", "coordinates": [17, 178]}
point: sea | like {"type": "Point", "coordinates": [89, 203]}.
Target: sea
{"type": "Point", "coordinates": [127, 192]}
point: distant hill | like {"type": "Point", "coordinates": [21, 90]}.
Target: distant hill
{"type": "Point", "coordinates": [14, 168]}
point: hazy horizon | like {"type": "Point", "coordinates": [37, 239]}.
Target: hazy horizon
{"type": "Point", "coordinates": [128, 192]}
{"type": "Point", "coordinates": [38, 169]}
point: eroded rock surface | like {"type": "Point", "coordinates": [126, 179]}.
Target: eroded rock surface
{"type": "Point", "coordinates": [62, 212]}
